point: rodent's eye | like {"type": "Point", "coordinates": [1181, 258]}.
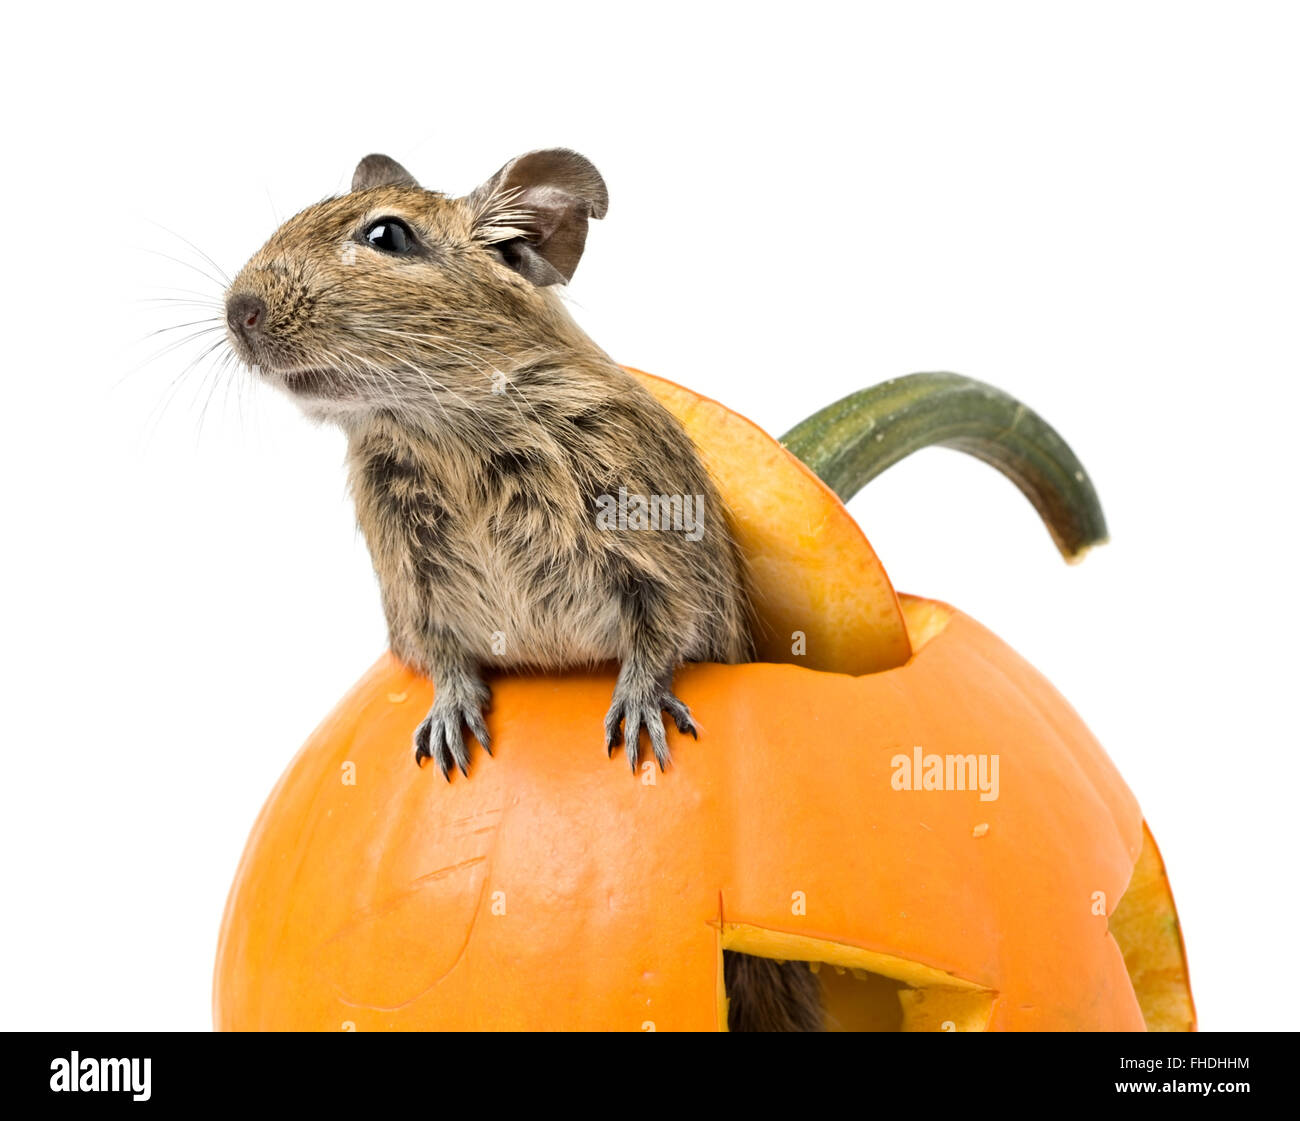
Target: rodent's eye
{"type": "Point", "coordinates": [391, 235]}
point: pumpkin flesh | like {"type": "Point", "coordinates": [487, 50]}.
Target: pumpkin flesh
{"type": "Point", "coordinates": [813, 571]}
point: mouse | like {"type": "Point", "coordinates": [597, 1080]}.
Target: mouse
{"type": "Point", "coordinates": [527, 503]}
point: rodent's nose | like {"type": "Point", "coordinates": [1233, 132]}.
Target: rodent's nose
{"type": "Point", "coordinates": [245, 314]}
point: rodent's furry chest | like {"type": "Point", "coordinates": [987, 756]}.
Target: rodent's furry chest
{"type": "Point", "coordinates": [489, 545]}
{"type": "Point", "coordinates": [492, 540]}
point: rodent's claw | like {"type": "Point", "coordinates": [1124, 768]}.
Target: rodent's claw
{"type": "Point", "coordinates": [613, 728]}
{"type": "Point", "coordinates": [681, 716]}
{"type": "Point", "coordinates": [474, 718]}
{"type": "Point", "coordinates": [627, 715]}
{"type": "Point", "coordinates": [632, 717]}
{"type": "Point", "coordinates": [441, 737]}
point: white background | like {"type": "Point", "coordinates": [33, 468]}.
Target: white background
{"type": "Point", "coordinates": [1092, 206]}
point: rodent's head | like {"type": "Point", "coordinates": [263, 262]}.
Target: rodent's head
{"type": "Point", "coordinates": [392, 293]}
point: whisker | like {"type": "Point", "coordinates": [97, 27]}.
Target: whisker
{"type": "Point", "coordinates": [159, 411]}
{"type": "Point", "coordinates": [182, 326]}
{"type": "Point", "coordinates": [219, 270]}
{"type": "Point", "coordinates": [214, 305]}
{"type": "Point", "coordinates": [217, 301]}
{"type": "Point", "coordinates": [162, 352]}
{"type": "Point", "coordinates": [190, 265]}
{"type": "Point", "coordinates": [447, 347]}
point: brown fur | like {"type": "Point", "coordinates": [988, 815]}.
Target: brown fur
{"type": "Point", "coordinates": [482, 426]}
{"type": "Point", "coordinates": [768, 995]}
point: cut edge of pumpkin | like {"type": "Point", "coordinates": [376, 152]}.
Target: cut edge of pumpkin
{"type": "Point", "coordinates": [817, 583]}
{"type": "Point", "coordinates": [925, 619]}
{"type": "Point", "coordinates": [865, 989]}
{"type": "Point", "coordinates": [1145, 926]}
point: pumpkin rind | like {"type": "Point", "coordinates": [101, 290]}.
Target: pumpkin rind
{"type": "Point", "coordinates": [551, 890]}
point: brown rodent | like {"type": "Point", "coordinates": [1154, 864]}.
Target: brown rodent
{"type": "Point", "coordinates": [486, 432]}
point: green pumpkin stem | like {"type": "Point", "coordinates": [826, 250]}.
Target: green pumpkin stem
{"type": "Point", "coordinates": [853, 440]}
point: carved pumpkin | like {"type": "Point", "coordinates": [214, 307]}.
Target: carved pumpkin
{"type": "Point", "coordinates": [552, 891]}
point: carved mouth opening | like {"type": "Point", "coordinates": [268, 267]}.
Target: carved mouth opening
{"type": "Point", "coordinates": [862, 990]}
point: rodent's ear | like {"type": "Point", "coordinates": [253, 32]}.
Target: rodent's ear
{"type": "Point", "coordinates": [535, 211]}
{"type": "Point", "coordinates": [381, 171]}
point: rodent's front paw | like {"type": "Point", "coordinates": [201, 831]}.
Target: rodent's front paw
{"type": "Point", "coordinates": [630, 711]}
{"type": "Point", "coordinates": [441, 735]}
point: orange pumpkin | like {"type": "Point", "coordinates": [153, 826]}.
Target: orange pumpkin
{"type": "Point", "coordinates": [552, 891]}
